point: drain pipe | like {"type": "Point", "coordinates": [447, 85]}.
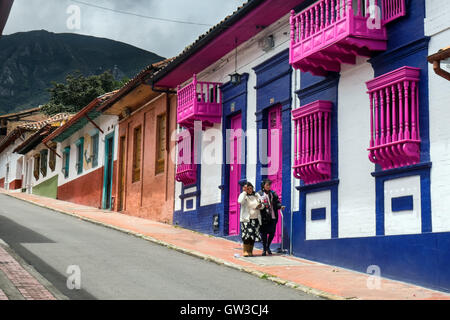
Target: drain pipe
{"type": "Point", "coordinates": [436, 60]}
{"type": "Point", "coordinates": [437, 69]}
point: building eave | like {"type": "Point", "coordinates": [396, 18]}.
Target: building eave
{"type": "Point", "coordinates": [250, 19]}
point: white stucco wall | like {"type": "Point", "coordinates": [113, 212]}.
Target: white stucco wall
{"type": "Point", "coordinates": [356, 208]}
{"type": "Point", "coordinates": [108, 124]}
{"type": "Point", "coordinates": [437, 26]}
{"type": "Point", "coordinates": [29, 180]}
{"type": "Point", "coordinates": [12, 160]}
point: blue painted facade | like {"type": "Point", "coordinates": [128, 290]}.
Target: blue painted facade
{"type": "Point", "coordinates": [201, 219]}
{"type": "Point", "coordinates": [416, 258]}
{"type": "Point", "coordinates": [273, 88]}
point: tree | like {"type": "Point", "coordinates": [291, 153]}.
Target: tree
{"type": "Point", "coordinates": [78, 91]}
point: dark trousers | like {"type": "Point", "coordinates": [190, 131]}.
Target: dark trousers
{"type": "Point", "coordinates": [268, 233]}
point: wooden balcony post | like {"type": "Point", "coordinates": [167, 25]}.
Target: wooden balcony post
{"type": "Point", "coordinates": [388, 115]}
{"type": "Point", "coordinates": [407, 126]}
{"type": "Point", "coordinates": [413, 111]}
{"type": "Point", "coordinates": [394, 114]}
{"type": "Point", "coordinates": [293, 31]}
{"type": "Point", "coordinates": [371, 119]}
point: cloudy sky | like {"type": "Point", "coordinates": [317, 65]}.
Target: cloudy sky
{"type": "Point", "coordinates": [141, 23]}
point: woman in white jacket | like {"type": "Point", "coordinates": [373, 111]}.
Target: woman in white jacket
{"type": "Point", "coordinates": [250, 218]}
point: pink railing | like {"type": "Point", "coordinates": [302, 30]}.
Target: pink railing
{"type": "Point", "coordinates": [392, 9]}
{"type": "Point", "coordinates": [312, 142]}
{"type": "Point", "coordinates": [323, 14]}
{"type": "Point", "coordinates": [394, 122]}
{"type": "Point", "coordinates": [186, 168]}
{"type": "Point", "coordinates": [199, 101]}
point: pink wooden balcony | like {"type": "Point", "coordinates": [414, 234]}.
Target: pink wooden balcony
{"type": "Point", "coordinates": [332, 32]}
{"type": "Point", "coordinates": [186, 168]}
{"type": "Point", "coordinates": [394, 122]}
{"type": "Point", "coordinates": [312, 142]}
{"type": "Point", "coordinates": [393, 9]}
{"type": "Point", "coordinates": [199, 101]}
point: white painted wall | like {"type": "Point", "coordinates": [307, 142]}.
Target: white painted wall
{"type": "Point", "coordinates": [108, 124]}
{"type": "Point", "coordinates": [29, 180]}
{"type": "Point", "coordinates": [437, 26]}
{"type": "Point", "coordinates": [8, 158]}
{"type": "Point", "coordinates": [403, 222]}
{"type": "Point", "coordinates": [318, 229]}
{"type": "Point", "coordinates": [356, 194]}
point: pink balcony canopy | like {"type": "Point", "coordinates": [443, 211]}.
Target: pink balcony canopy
{"type": "Point", "coordinates": [394, 122]}
{"type": "Point", "coordinates": [332, 32]}
{"type": "Point", "coordinates": [199, 101]}
{"type": "Point", "coordinates": [312, 142]}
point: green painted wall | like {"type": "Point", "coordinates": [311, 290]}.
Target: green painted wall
{"type": "Point", "coordinates": [48, 188]}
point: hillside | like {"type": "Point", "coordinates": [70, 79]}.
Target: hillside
{"type": "Point", "coordinates": [29, 61]}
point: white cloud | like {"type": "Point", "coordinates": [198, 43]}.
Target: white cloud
{"type": "Point", "coordinates": [164, 38]}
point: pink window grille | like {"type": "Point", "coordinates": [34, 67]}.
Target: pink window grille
{"type": "Point", "coordinates": [186, 168]}
{"type": "Point", "coordinates": [394, 118]}
{"type": "Point", "coordinates": [312, 142]}
{"type": "Point", "coordinates": [393, 9]}
{"type": "Point", "coordinates": [199, 101]}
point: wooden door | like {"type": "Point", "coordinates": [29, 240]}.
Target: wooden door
{"type": "Point", "coordinates": [275, 150]}
{"type": "Point", "coordinates": [235, 140]}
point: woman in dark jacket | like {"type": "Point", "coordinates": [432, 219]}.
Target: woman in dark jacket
{"type": "Point", "coordinates": [269, 215]}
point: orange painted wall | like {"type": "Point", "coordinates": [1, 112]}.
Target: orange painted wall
{"type": "Point", "coordinates": [87, 189]}
{"type": "Point", "coordinates": [153, 196]}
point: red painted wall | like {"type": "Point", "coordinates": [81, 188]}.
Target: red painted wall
{"type": "Point", "coordinates": [2, 183]}
{"type": "Point", "coordinates": [16, 184]}
{"type": "Point", "coordinates": [86, 190]}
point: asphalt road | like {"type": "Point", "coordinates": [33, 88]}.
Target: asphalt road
{"type": "Point", "coordinates": [115, 265]}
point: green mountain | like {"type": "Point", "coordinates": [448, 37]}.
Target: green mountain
{"type": "Point", "coordinates": [30, 61]}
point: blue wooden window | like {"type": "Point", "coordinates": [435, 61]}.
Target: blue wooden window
{"type": "Point", "coordinates": [80, 154]}
{"type": "Point", "coordinates": [66, 160]}
{"type": "Point", "coordinates": [95, 144]}
{"type": "Point", "coordinates": [318, 214]}
{"type": "Point", "coordinates": [402, 204]}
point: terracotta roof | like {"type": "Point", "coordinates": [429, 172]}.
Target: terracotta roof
{"type": "Point", "coordinates": [40, 124]}
{"type": "Point", "coordinates": [12, 136]}
{"type": "Point", "coordinates": [79, 119]}
{"type": "Point", "coordinates": [34, 126]}
{"type": "Point", "coordinates": [20, 113]}
{"type": "Point", "coordinates": [150, 70]}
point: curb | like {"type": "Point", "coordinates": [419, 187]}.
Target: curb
{"type": "Point", "coordinates": [33, 272]}
{"type": "Point", "coordinates": [259, 274]}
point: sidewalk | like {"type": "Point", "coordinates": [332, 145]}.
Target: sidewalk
{"type": "Point", "coordinates": [319, 279]}
{"type": "Point", "coordinates": [16, 283]}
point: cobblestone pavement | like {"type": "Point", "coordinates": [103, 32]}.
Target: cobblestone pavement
{"type": "Point", "coordinates": [16, 283]}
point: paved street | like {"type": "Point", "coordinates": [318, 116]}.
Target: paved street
{"type": "Point", "coordinates": [115, 265]}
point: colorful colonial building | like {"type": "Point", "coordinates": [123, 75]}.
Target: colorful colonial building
{"type": "Point", "coordinates": [333, 100]}
{"type": "Point", "coordinates": [87, 154]}
{"type": "Point", "coordinates": [39, 164]}
{"type": "Point", "coordinates": [145, 174]}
